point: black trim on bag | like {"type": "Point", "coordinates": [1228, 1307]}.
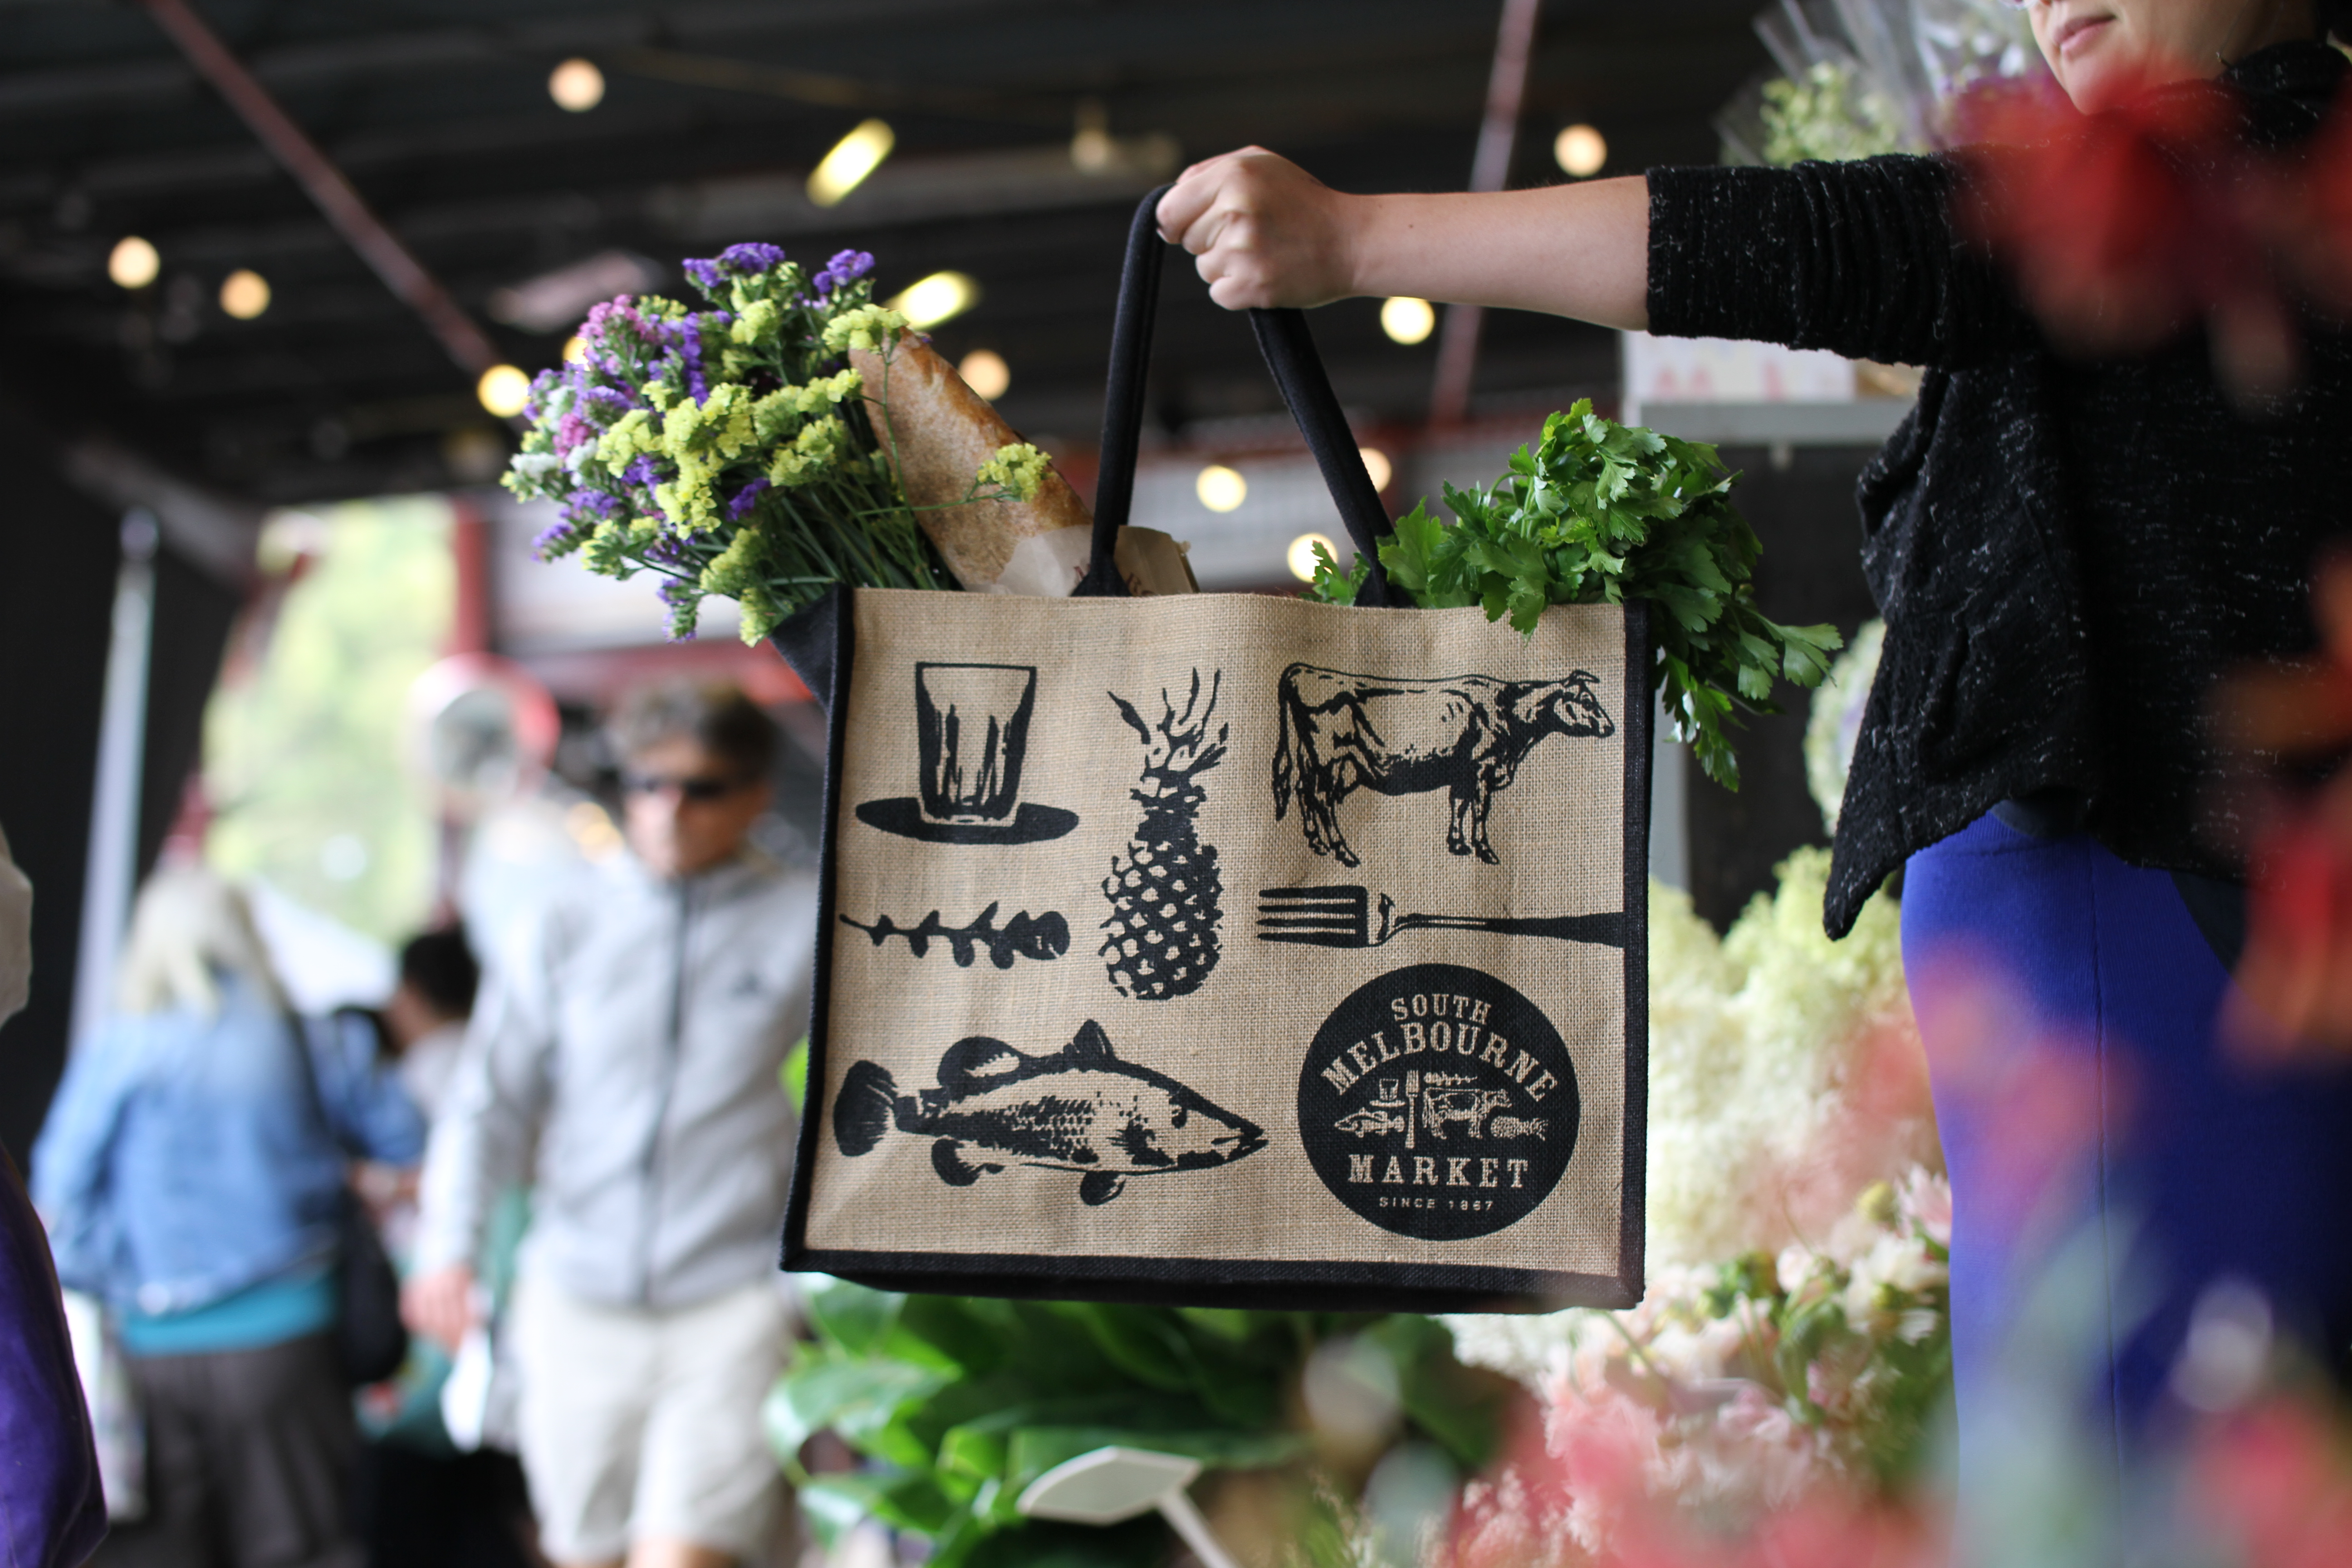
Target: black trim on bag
{"type": "Point", "coordinates": [793, 1258]}
{"type": "Point", "coordinates": [1268, 1285]}
{"type": "Point", "coordinates": [1640, 719]}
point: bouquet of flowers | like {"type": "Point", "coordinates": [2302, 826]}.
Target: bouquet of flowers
{"type": "Point", "coordinates": [736, 450]}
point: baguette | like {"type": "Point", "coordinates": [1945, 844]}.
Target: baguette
{"type": "Point", "coordinates": [942, 431]}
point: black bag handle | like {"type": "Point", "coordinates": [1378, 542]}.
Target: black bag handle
{"type": "Point", "coordinates": [1298, 371]}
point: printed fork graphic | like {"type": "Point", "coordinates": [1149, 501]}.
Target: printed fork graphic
{"type": "Point", "coordinates": [1344, 917]}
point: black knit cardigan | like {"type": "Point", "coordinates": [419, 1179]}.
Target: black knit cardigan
{"type": "Point", "coordinates": [2067, 554]}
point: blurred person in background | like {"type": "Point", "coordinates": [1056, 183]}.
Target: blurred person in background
{"type": "Point", "coordinates": [424, 1501]}
{"type": "Point", "coordinates": [52, 1513]}
{"type": "Point", "coordinates": [629, 1068]}
{"type": "Point", "coordinates": [193, 1173]}
{"type": "Point", "coordinates": [425, 1020]}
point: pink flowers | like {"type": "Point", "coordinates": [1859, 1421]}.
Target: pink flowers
{"type": "Point", "coordinates": [1744, 1400]}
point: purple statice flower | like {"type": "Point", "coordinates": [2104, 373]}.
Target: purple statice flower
{"type": "Point", "coordinates": [846, 268]}
{"type": "Point", "coordinates": [745, 498]}
{"type": "Point", "coordinates": [752, 257]}
{"type": "Point", "coordinates": [678, 596]}
{"type": "Point", "coordinates": [708, 275]}
{"type": "Point", "coordinates": [584, 506]}
{"type": "Point", "coordinates": [689, 347]}
{"type": "Point", "coordinates": [572, 432]}
{"type": "Point", "coordinates": [642, 472]}
{"type": "Point", "coordinates": [614, 396]}
{"type": "Point", "coordinates": [560, 531]}
{"type": "Point", "coordinates": [667, 550]}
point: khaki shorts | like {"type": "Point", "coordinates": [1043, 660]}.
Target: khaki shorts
{"type": "Point", "coordinates": [638, 1424]}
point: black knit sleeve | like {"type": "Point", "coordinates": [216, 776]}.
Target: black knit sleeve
{"type": "Point", "coordinates": [1859, 257]}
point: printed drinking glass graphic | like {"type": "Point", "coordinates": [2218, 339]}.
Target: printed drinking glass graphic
{"type": "Point", "coordinates": [973, 723]}
{"type": "Point", "coordinates": [972, 733]}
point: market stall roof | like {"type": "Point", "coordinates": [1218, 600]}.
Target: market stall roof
{"type": "Point", "coordinates": [711, 115]}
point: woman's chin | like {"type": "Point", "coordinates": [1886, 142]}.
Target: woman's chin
{"type": "Point", "coordinates": [2098, 85]}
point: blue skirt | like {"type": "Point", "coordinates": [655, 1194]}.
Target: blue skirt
{"type": "Point", "coordinates": [2070, 1010]}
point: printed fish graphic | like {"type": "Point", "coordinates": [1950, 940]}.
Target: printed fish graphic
{"type": "Point", "coordinates": [1080, 1109]}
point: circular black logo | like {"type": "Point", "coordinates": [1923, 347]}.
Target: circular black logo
{"type": "Point", "coordinates": [1438, 1103]}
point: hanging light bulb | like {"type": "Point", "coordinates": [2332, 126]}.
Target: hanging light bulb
{"type": "Point", "coordinates": [1581, 151]}
{"type": "Point", "coordinates": [1407, 320]}
{"type": "Point", "coordinates": [576, 85]}
{"type": "Point", "coordinates": [853, 158]}
{"type": "Point", "coordinates": [245, 294]}
{"type": "Point", "coordinates": [503, 389]}
{"type": "Point", "coordinates": [132, 264]}
{"type": "Point", "coordinates": [985, 371]}
{"type": "Point", "coordinates": [1220, 488]}
{"type": "Point", "coordinates": [928, 301]}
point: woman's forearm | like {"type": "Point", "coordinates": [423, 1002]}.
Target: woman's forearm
{"type": "Point", "coordinates": [1577, 250]}
{"type": "Point", "coordinates": [1266, 233]}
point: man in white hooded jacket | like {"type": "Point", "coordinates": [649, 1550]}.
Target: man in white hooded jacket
{"type": "Point", "coordinates": [629, 1071]}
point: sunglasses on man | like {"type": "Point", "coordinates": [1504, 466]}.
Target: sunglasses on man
{"type": "Point", "coordinates": [700, 788]}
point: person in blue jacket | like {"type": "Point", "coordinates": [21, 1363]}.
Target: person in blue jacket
{"type": "Point", "coordinates": [193, 1177]}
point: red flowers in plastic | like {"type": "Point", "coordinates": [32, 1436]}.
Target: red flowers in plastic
{"type": "Point", "coordinates": [2126, 227]}
{"type": "Point", "coordinates": [2297, 975]}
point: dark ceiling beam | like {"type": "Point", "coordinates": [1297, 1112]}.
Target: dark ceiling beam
{"type": "Point", "coordinates": [143, 84]}
{"type": "Point", "coordinates": [378, 246]}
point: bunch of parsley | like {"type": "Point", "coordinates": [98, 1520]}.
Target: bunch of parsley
{"type": "Point", "coordinates": [1600, 513]}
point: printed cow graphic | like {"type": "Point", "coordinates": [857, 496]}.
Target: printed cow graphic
{"type": "Point", "coordinates": [1470, 1107]}
{"type": "Point", "coordinates": [1466, 734]}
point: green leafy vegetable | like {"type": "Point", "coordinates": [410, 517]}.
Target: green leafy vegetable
{"type": "Point", "coordinates": [955, 1404]}
{"type": "Point", "coordinates": [1599, 512]}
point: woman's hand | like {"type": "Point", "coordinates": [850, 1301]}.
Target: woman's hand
{"type": "Point", "coordinates": [440, 1305]}
{"type": "Point", "coordinates": [1265, 231]}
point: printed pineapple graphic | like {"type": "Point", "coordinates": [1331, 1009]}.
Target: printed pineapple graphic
{"type": "Point", "coordinates": [1164, 889]}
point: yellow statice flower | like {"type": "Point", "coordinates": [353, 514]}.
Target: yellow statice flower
{"type": "Point", "coordinates": [608, 549]}
{"type": "Point", "coordinates": [721, 424]}
{"type": "Point", "coordinates": [688, 499]}
{"type": "Point", "coordinates": [870, 327]}
{"type": "Point", "coordinates": [630, 436]}
{"type": "Point", "coordinates": [1018, 468]}
{"type": "Point", "coordinates": [758, 321]}
{"type": "Point", "coordinates": [741, 574]}
{"type": "Point", "coordinates": [812, 451]}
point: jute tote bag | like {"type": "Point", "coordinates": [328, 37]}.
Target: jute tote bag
{"type": "Point", "coordinates": [1227, 950]}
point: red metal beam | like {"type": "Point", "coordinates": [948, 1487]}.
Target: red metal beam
{"type": "Point", "coordinates": [1506, 88]}
{"type": "Point", "coordinates": [317, 173]}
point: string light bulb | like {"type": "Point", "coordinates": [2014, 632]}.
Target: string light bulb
{"type": "Point", "coordinates": [133, 264]}
{"type": "Point", "coordinates": [503, 390]}
{"type": "Point", "coordinates": [1581, 151]}
{"type": "Point", "coordinates": [576, 85]}
{"type": "Point", "coordinates": [928, 301]}
{"type": "Point", "coordinates": [1377, 464]}
{"type": "Point", "coordinates": [1301, 558]}
{"type": "Point", "coordinates": [853, 158]}
{"type": "Point", "coordinates": [1220, 488]}
{"type": "Point", "coordinates": [1406, 320]}
{"type": "Point", "coordinates": [985, 371]}
{"type": "Point", "coordinates": [245, 294]}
